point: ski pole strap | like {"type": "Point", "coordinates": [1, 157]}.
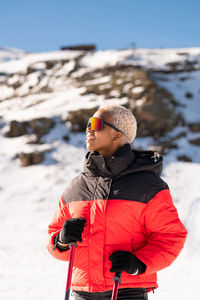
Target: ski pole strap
{"type": "Point", "coordinates": [117, 277]}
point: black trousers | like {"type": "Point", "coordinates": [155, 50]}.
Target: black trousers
{"type": "Point", "coordinates": [123, 294]}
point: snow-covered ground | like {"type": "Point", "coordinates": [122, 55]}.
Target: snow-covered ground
{"type": "Point", "coordinates": [29, 196]}
{"type": "Point", "coordinates": [7, 54]}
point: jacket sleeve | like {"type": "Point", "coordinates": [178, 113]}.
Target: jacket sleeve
{"type": "Point", "coordinates": [55, 227]}
{"type": "Point", "coordinates": [165, 233]}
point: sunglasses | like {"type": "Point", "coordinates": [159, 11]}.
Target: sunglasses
{"type": "Point", "coordinates": [98, 124]}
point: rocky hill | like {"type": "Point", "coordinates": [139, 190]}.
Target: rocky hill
{"type": "Point", "coordinates": [39, 92]}
{"type": "Point", "coordinates": [45, 101]}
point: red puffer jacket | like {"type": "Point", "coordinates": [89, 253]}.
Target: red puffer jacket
{"type": "Point", "coordinates": [127, 207]}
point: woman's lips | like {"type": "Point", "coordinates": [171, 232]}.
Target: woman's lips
{"type": "Point", "coordinates": [90, 138]}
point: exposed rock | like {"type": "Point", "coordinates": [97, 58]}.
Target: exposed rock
{"type": "Point", "coordinates": [189, 95]}
{"type": "Point", "coordinates": [122, 79]}
{"type": "Point", "coordinates": [174, 66]}
{"type": "Point", "coordinates": [32, 158]}
{"type": "Point", "coordinates": [183, 53]}
{"type": "Point", "coordinates": [79, 119]}
{"type": "Point", "coordinates": [195, 141]}
{"type": "Point", "coordinates": [165, 146]}
{"type": "Point", "coordinates": [17, 129]}
{"type": "Point", "coordinates": [183, 66]}
{"type": "Point", "coordinates": [38, 126]}
{"type": "Point", "coordinates": [50, 64]}
{"type": "Point", "coordinates": [194, 127]}
{"type": "Point", "coordinates": [178, 136]}
{"type": "Point", "coordinates": [157, 113]}
{"type": "Point", "coordinates": [66, 138]}
{"type": "Point", "coordinates": [41, 126]}
{"type": "Point", "coordinates": [184, 78]}
{"type": "Point", "coordinates": [30, 70]}
{"type": "Point", "coordinates": [184, 158]}
{"type": "Point", "coordinates": [153, 106]}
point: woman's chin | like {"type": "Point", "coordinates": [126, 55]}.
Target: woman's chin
{"type": "Point", "coordinates": [90, 147]}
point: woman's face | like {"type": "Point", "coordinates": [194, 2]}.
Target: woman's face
{"type": "Point", "coordinates": [102, 141]}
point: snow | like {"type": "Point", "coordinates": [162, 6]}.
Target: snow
{"type": "Point", "coordinates": [156, 59]}
{"type": "Point", "coordinates": [101, 59]}
{"type": "Point", "coordinates": [104, 79]}
{"type": "Point", "coordinates": [182, 276]}
{"type": "Point", "coordinates": [7, 54]}
{"type": "Point", "coordinates": [30, 59]}
{"type": "Point", "coordinates": [138, 89]}
{"type": "Point", "coordinates": [30, 195]}
{"type": "Point", "coordinates": [181, 84]}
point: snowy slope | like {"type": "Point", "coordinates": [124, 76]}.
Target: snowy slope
{"type": "Point", "coordinates": [29, 196]}
{"type": "Point", "coordinates": [7, 54]}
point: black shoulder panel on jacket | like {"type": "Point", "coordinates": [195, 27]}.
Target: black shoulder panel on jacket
{"type": "Point", "coordinates": [79, 189]}
{"type": "Point", "coordinates": [140, 187]}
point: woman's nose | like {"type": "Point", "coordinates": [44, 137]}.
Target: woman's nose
{"type": "Point", "coordinates": [88, 129]}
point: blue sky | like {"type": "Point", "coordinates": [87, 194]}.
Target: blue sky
{"type": "Point", "coordinates": [43, 25]}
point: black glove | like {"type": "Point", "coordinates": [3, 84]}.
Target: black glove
{"type": "Point", "coordinates": [126, 261]}
{"type": "Point", "coordinates": [72, 230]}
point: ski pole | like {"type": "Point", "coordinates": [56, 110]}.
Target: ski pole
{"type": "Point", "coordinates": [69, 273]}
{"type": "Point", "coordinates": [117, 282]}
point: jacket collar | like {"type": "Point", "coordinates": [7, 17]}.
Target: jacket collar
{"type": "Point", "coordinates": [97, 165]}
{"type": "Point", "coordinates": [125, 161]}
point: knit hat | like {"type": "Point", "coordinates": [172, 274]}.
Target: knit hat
{"type": "Point", "coordinates": [123, 119]}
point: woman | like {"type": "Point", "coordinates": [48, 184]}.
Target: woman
{"type": "Point", "coordinates": [119, 211]}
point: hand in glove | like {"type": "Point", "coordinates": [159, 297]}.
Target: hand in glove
{"type": "Point", "coordinates": [72, 230]}
{"type": "Point", "coordinates": [126, 261]}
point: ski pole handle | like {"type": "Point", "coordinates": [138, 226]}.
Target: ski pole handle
{"type": "Point", "coordinates": [72, 246]}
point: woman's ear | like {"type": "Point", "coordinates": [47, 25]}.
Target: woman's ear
{"type": "Point", "coordinates": [117, 136]}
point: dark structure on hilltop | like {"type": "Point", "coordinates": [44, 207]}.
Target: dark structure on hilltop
{"type": "Point", "coordinates": [86, 47]}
